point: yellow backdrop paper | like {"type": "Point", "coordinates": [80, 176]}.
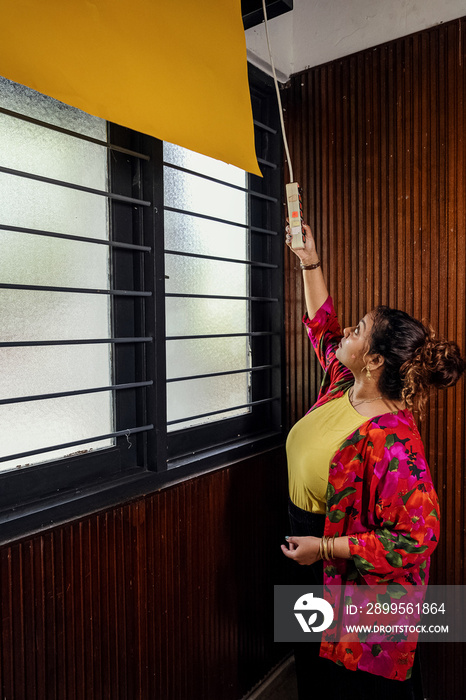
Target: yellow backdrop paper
{"type": "Point", "coordinates": [174, 69]}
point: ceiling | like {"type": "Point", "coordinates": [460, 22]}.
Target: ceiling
{"type": "Point", "coordinates": [318, 31]}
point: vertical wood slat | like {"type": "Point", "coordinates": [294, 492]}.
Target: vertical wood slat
{"type": "Point", "coordinates": [391, 229]}
{"type": "Point", "coordinates": [168, 597]}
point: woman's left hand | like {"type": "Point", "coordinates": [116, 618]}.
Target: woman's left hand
{"type": "Point", "coordinates": [303, 550]}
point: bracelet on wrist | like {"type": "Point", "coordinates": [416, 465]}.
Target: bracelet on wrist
{"type": "Point", "coordinates": [326, 547]}
{"type": "Point", "coordinates": [332, 546]}
{"type": "Point", "coordinates": [309, 267]}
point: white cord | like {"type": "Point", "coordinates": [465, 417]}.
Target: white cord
{"type": "Point", "coordinates": [285, 141]}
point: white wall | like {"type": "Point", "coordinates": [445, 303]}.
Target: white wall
{"type": "Point", "coordinates": [318, 31]}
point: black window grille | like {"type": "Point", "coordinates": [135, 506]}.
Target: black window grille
{"type": "Point", "coordinates": [144, 245]}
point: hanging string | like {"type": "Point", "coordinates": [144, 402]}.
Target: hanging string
{"type": "Point", "coordinates": [277, 89]}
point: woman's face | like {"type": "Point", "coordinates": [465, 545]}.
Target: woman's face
{"type": "Point", "coordinates": [355, 344]}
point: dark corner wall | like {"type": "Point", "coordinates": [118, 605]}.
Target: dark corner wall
{"type": "Point", "coordinates": [169, 597]}
{"type": "Point", "coordinates": [378, 143]}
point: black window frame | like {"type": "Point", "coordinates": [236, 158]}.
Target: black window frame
{"type": "Point", "coordinates": [266, 291]}
{"type": "Point", "coordinates": [35, 496]}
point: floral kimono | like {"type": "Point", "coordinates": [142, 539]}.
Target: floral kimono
{"type": "Point", "coordinates": [380, 494]}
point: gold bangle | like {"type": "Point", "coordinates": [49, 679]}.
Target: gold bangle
{"type": "Point", "coordinates": [325, 547]}
{"type": "Point", "coordinates": [332, 547]}
{"type": "Point", "coordinates": [321, 548]}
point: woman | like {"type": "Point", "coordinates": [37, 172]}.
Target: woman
{"type": "Point", "coordinates": [361, 494]}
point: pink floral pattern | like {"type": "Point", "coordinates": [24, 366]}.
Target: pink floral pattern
{"type": "Point", "coordinates": [380, 494]}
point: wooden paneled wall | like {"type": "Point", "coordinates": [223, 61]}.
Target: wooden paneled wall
{"type": "Point", "coordinates": [169, 597]}
{"type": "Point", "coordinates": [378, 143]}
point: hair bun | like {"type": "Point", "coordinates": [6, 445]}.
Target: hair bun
{"type": "Point", "coordinates": [436, 363]}
{"type": "Point", "coordinates": [442, 360]}
{"type": "Point", "coordinates": [414, 359]}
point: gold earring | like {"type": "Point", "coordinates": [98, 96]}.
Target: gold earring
{"type": "Point", "coordinates": [368, 373]}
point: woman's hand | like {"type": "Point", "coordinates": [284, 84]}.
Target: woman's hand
{"type": "Point", "coordinates": [303, 550]}
{"type": "Point", "coordinates": [308, 254]}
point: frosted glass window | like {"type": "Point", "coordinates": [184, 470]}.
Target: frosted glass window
{"type": "Point", "coordinates": [198, 276]}
{"type": "Point", "coordinates": [33, 315]}
{"type": "Point", "coordinates": [32, 204]}
{"type": "Point", "coordinates": [37, 315]}
{"type": "Point", "coordinates": [23, 256]}
{"type": "Point", "coordinates": [188, 275]}
{"type": "Point", "coordinates": [205, 355]}
{"type": "Point", "coordinates": [204, 395]}
{"type": "Point", "coordinates": [38, 424]}
{"type": "Point", "coordinates": [202, 316]}
{"type": "Point", "coordinates": [21, 99]}
{"type": "Point", "coordinates": [27, 371]}
{"type": "Point", "coordinates": [176, 155]}
{"type": "Point", "coordinates": [41, 151]}
{"type": "Point", "coordinates": [196, 194]}
{"type": "Point", "coordinates": [191, 234]}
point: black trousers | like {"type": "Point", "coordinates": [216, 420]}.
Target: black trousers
{"type": "Point", "coordinates": [320, 678]}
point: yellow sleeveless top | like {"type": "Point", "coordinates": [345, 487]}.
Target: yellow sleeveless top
{"type": "Point", "coordinates": [311, 444]}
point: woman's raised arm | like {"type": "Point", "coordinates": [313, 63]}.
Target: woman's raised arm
{"type": "Point", "coordinates": [315, 289]}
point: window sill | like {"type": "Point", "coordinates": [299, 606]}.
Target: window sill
{"type": "Point", "coordinates": [22, 522]}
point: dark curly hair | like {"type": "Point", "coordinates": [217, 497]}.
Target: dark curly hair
{"type": "Point", "coordinates": [415, 360]}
